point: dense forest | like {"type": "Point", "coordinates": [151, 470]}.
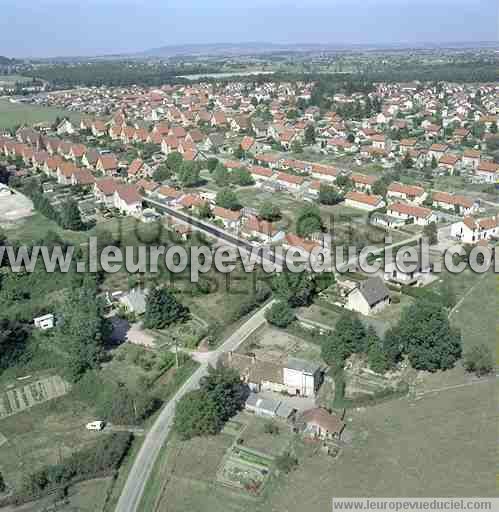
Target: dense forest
{"type": "Point", "coordinates": [114, 73]}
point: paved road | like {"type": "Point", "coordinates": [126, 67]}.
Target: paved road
{"type": "Point", "coordinates": [144, 463]}
{"type": "Point", "coordinates": [215, 231]}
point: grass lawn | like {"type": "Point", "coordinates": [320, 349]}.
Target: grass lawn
{"type": "Point", "coordinates": [14, 114]}
{"type": "Point", "coordinates": [402, 448]}
{"type": "Point", "coordinates": [37, 226]}
{"type": "Point", "coordinates": [255, 438]}
{"type": "Point", "coordinates": [42, 436]}
{"type": "Point", "coordinates": [476, 316]}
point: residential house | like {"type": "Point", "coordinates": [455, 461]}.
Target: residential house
{"type": "Point", "coordinates": [104, 190]}
{"type": "Point", "coordinates": [437, 151]}
{"type": "Point", "coordinates": [471, 158]}
{"type": "Point", "coordinates": [363, 201]}
{"type": "Point", "coordinates": [416, 214]}
{"type": "Point", "coordinates": [138, 169]}
{"type": "Point", "coordinates": [90, 158]}
{"type": "Point", "coordinates": [260, 174]}
{"type": "Point", "coordinates": [455, 203]}
{"type": "Point", "coordinates": [128, 200]}
{"type": "Point", "coordinates": [294, 241]}
{"type": "Point", "coordinates": [471, 230]}
{"type": "Point", "coordinates": [82, 177]}
{"type": "Point", "coordinates": [231, 219]}
{"type": "Point", "coordinates": [98, 129]}
{"type": "Point", "coordinates": [363, 183]}
{"type": "Point", "coordinates": [326, 173]}
{"type": "Point", "coordinates": [449, 163]}
{"type": "Point", "coordinates": [407, 145]}
{"type": "Point", "coordinates": [320, 424]}
{"type": "Point", "coordinates": [370, 296]}
{"type": "Point", "coordinates": [259, 228]}
{"type": "Point", "coordinates": [487, 171]}
{"type": "Point", "coordinates": [295, 376]}
{"type": "Point", "coordinates": [411, 193]}
{"type": "Point", "coordinates": [290, 181]}
{"type": "Point", "coordinates": [107, 164]}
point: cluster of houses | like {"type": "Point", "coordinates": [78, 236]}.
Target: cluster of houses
{"type": "Point", "coordinates": [432, 126]}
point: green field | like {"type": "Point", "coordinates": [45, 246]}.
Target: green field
{"type": "Point", "coordinates": [15, 114]}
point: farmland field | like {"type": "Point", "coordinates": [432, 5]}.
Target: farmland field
{"type": "Point", "coordinates": [14, 114]}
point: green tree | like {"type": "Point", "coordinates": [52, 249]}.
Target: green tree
{"type": "Point", "coordinates": [310, 135]}
{"type": "Point", "coordinates": [393, 346]}
{"type": "Point", "coordinates": [212, 164]}
{"type": "Point", "coordinates": [70, 216]}
{"type": "Point", "coordinates": [296, 288]}
{"type": "Point", "coordinates": [242, 177]}
{"type": "Point", "coordinates": [163, 309]}
{"type": "Point", "coordinates": [348, 337]}
{"type": "Point", "coordinates": [431, 232]}
{"type": "Point", "coordinates": [174, 161]}
{"type": "Point", "coordinates": [344, 181]}
{"type": "Point", "coordinates": [188, 174]}
{"type": "Point", "coordinates": [309, 220]}
{"type": "Point", "coordinates": [329, 195]}
{"type": "Point", "coordinates": [375, 354]}
{"type": "Point", "coordinates": [238, 152]}
{"type": "Point", "coordinates": [493, 128]}
{"type": "Point", "coordinates": [407, 161]}
{"type": "Point", "coordinates": [479, 359]}
{"type": "Point", "coordinates": [196, 415]}
{"type": "Point", "coordinates": [429, 340]}
{"type": "Point", "coordinates": [14, 337]}
{"type": "Point", "coordinates": [221, 175]}
{"type": "Point", "coordinates": [224, 388]}
{"type": "Point", "coordinates": [269, 211]}
{"type": "Point", "coordinates": [286, 462]}
{"type": "Point", "coordinates": [228, 199]}
{"type": "Point", "coordinates": [434, 163]}
{"type": "Point", "coordinates": [280, 314]}
{"type": "Point", "coordinates": [82, 330]}
{"type": "Point", "coordinates": [162, 173]}
{"type": "Point", "coordinates": [204, 211]}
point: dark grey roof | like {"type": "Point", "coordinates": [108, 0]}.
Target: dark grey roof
{"type": "Point", "coordinates": [301, 365]}
{"type": "Point", "coordinates": [373, 290]}
{"type": "Point", "coordinates": [217, 139]}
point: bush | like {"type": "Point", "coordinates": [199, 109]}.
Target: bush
{"type": "Point", "coordinates": [106, 456]}
{"type": "Point", "coordinates": [280, 314]}
{"type": "Point", "coordinates": [286, 462]}
{"type": "Point", "coordinates": [270, 427]}
{"type": "Point", "coordinates": [479, 359]}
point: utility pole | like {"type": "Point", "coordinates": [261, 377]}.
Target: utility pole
{"type": "Point", "coordinates": [176, 351]}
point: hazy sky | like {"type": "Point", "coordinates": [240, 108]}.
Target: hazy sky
{"type": "Point", "coordinates": [41, 28]}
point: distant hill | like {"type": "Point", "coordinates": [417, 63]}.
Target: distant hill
{"type": "Point", "coordinates": [222, 49]}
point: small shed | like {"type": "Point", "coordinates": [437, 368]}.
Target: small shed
{"type": "Point", "coordinates": [44, 322]}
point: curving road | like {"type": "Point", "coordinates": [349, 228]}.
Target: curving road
{"type": "Point", "coordinates": [141, 470]}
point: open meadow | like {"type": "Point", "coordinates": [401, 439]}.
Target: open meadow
{"type": "Point", "coordinates": [15, 114]}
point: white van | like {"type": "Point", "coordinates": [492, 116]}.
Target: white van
{"type": "Point", "coordinates": [96, 425]}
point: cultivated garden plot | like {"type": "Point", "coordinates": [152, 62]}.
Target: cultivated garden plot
{"type": "Point", "coordinates": [245, 469]}
{"type": "Point", "coordinates": [20, 399]}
